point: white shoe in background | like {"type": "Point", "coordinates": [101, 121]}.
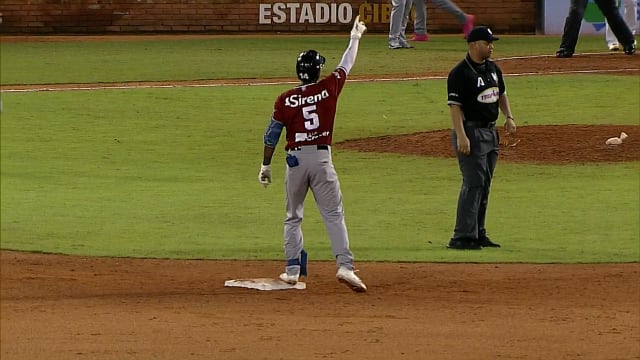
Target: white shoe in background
{"type": "Point", "coordinates": [395, 44]}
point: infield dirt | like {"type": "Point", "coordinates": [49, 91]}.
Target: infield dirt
{"type": "Point", "coordinates": [70, 307]}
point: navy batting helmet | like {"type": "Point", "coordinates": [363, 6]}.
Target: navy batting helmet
{"type": "Point", "coordinates": [308, 66]}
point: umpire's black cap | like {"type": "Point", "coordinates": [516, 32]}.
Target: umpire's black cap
{"type": "Point", "coordinates": [481, 33]}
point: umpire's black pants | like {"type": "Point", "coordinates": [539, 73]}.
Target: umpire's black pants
{"type": "Point", "coordinates": [477, 171]}
{"type": "Point", "coordinates": [619, 28]}
{"type": "Point", "coordinates": [572, 24]}
{"type": "Point", "coordinates": [611, 12]}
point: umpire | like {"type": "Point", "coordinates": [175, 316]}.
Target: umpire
{"type": "Point", "coordinates": [476, 94]}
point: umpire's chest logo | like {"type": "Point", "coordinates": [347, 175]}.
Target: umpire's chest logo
{"type": "Point", "coordinates": [489, 95]}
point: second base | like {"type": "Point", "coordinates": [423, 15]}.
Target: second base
{"type": "Point", "coordinates": [264, 284]}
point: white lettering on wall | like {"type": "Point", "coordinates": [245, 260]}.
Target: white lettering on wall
{"type": "Point", "coordinates": [305, 13]}
{"type": "Point", "coordinates": [345, 12]}
{"type": "Point", "coordinates": [279, 15]}
{"type": "Point", "coordinates": [265, 11]}
{"type": "Point", "coordinates": [322, 13]}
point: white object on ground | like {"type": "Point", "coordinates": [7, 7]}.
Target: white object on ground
{"type": "Point", "coordinates": [616, 140]}
{"type": "Point", "coordinates": [264, 284]}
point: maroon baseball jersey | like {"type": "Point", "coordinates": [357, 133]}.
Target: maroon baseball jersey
{"type": "Point", "coordinates": [308, 111]}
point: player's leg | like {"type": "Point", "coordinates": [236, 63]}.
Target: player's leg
{"type": "Point", "coordinates": [326, 189]}
{"type": "Point", "coordinates": [612, 42]}
{"type": "Point", "coordinates": [453, 9]}
{"type": "Point", "coordinates": [622, 32]}
{"type": "Point", "coordinates": [325, 186]}
{"type": "Point", "coordinates": [420, 22]}
{"type": "Point", "coordinates": [395, 23]}
{"type": "Point", "coordinates": [465, 20]}
{"type": "Point", "coordinates": [296, 187]}
{"type": "Point", "coordinates": [630, 11]}
{"type": "Point", "coordinates": [572, 28]}
{"type": "Point", "coordinates": [405, 22]}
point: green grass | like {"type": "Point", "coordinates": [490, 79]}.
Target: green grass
{"type": "Point", "coordinates": [535, 211]}
{"type": "Point", "coordinates": [172, 173]}
{"type": "Point", "coordinates": [236, 57]}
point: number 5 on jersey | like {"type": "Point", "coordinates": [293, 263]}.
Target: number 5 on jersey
{"type": "Point", "coordinates": [312, 121]}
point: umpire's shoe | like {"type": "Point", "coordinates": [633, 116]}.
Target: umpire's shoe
{"type": "Point", "coordinates": [630, 49]}
{"type": "Point", "coordinates": [484, 241]}
{"type": "Point", "coordinates": [564, 53]}
{"type": "Point", "coordinates": [464, 244]}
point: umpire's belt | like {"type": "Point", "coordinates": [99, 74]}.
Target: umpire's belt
{"type": "Point", "coordinates": [317, 147]}
{"type": "Point", "coordinates": [480, 124]}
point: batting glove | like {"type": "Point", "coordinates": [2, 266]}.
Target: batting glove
{"type": "Point", "coordinates": [264, 177]}
{"type": "Point", "coordinates": [358, 28]}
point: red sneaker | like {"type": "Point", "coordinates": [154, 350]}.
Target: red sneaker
{"type": "Point", "coordinates": [419, 37]}
{"type": "Point", "coordinates": [468, 26]}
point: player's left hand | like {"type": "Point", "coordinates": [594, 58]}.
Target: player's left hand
{"type": "Point", "coordinates": [510, 126]}
{"type": "Point", "coordinates": [264, 177]}
{"type": "Point", "coordinates": [358, 28]}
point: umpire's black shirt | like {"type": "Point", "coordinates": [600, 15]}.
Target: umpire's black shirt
{"type": "Point", "coordinates": [476, 88]}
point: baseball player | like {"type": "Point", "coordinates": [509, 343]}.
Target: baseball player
{"type": "Point", "coordinates": [573, 22]}
{"type": "Point", "coordinates": [398, 20]}
{"type": "Point", "coordinates": [476, 94]}
{"type": "Point", "coordinates": [630, 16]}
{"type": "Point", "coordinates": [308, 112]}
{"type": "Point", "coordinates": [420, 23]}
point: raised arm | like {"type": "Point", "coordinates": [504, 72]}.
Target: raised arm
{"type": "Point", "coordinates": [349, 56]}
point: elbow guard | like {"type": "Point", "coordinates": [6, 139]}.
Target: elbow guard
{"type": "Point", "coordinates": [272, 135]}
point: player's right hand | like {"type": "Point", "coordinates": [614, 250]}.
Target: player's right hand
{"type": "Point", "coordinates": [358, 28]}
{"type": "Point", "coordinates": [464, 145]}
{"type": "Point", "coordinates": [264, 177]}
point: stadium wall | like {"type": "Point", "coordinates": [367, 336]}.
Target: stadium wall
{"type": "Point", "coordinates": [244, 16]}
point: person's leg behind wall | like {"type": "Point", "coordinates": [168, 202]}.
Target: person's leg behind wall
{"type": "Point", "coordinates": [405, 21]}
{"type": "Point", "coordinates": [465, 20]}
{"type": "Point", "coordinates": [395, 23]}
{"type": "Point", "coordinates": [420, 21]}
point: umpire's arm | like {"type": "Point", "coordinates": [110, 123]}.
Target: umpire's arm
{"type": "Point", "coordinates": [509, 124]}
{"type": "Point", "coordinates": [462, 141]}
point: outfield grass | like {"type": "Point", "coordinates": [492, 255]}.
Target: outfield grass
{"type": "Point", "coordinates": [235, 57]}
{"type": "Point", "coordinates": [173, 173]}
